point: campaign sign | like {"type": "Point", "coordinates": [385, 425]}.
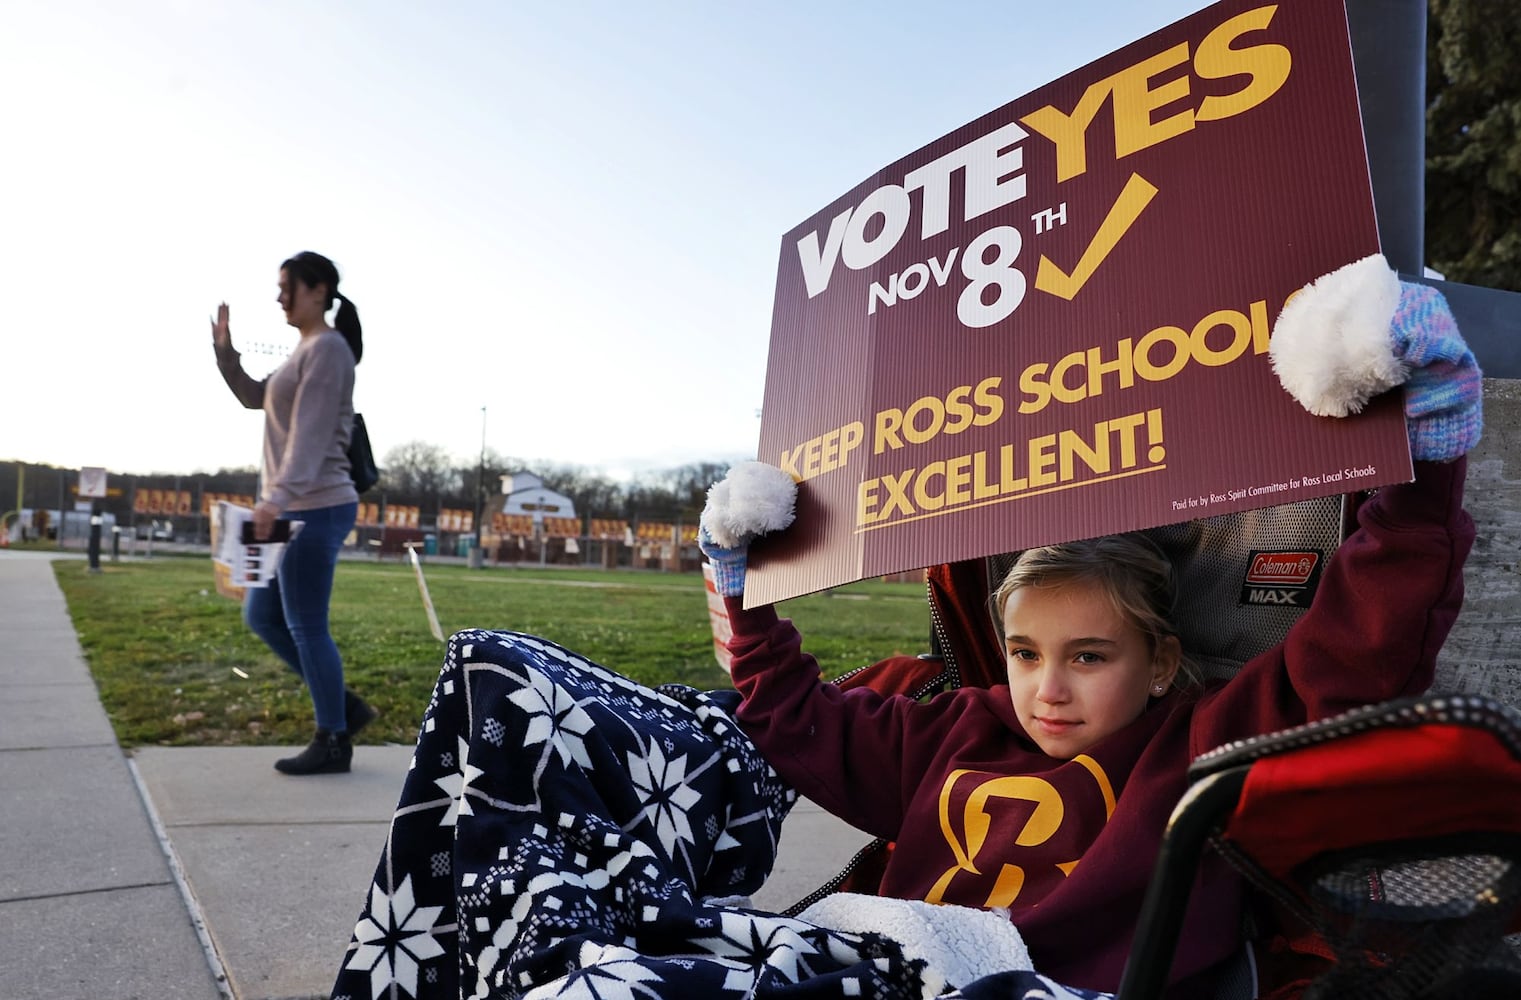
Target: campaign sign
{"type": "Point", "coordinates": [1053, 322]}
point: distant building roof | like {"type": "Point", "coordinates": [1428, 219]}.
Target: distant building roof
{"type": "Point", "coordinates": [512, 482]}
{"type": "Point", "coordinates": [526, 494]}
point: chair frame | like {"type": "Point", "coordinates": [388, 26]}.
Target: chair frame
{"type": "Point", "coordinates": [1219, 780]}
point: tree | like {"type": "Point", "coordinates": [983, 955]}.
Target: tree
{"type": "Point", "coordinates": [593, 493]}
{"type": "Point", "coordinates": [650, 498]}
{"type": "Point", "coordinates": [417, 468]}
{"type": "Point", "coordinates": [693, 479]}
{"type": "Point", "coordinates": [1473, 141]}
{"type": "Point", "coordinates": [675, 494]}
{"type": "Point", "coordinates": [470, 474]}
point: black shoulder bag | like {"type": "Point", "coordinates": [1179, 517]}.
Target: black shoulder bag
{"type": "Point", "coordinates": [361, 460]}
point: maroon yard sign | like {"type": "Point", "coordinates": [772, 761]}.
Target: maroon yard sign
{"type": "Point", "coordinates": [1052, 323]}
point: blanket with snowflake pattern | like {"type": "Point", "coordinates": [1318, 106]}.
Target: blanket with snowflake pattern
{"type": "Point", "coordinates": [565, 832]}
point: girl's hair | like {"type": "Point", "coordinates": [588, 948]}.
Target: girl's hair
{"type": "Point", "coordinates": [313, 269]}
{"type": "Point", "coordinates": [1136, 576]}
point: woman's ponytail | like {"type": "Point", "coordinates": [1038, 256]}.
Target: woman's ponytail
{"type": "Point", "coordinates": [347, 323]}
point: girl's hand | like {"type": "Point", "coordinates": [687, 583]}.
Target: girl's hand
{"type": "Point", "coordinates": [751, 500]}
{"type": "Point", "coordinates": [1360, 330]}
{"type": "Point", "coordinates": [221, 334]}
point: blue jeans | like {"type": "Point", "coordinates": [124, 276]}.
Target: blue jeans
{"type": "Point", "coordinates": [290, 614]}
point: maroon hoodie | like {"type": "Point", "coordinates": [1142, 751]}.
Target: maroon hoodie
{"type": "Point", "coordinates": [981, 817]}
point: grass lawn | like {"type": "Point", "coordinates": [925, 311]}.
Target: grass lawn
{"type": "Point", "coordinates": [163, 645]}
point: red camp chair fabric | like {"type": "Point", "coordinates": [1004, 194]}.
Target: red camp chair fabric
{"type": "Point", "coordinates": [967, 652]}
{"type": "Point", "coordinates": [1434, 780]}
{"type": "Point", "coordinates": [1389, 842]}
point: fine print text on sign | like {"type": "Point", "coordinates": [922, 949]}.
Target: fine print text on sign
{"type": "Point", "coordinates": [1052, 323]}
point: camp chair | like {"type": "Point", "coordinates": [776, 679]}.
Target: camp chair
{"type": "Point", "coordinates": [1387, 840]}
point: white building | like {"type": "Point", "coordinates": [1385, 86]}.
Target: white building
{"type": "Point", "coordinates": [525, 493]}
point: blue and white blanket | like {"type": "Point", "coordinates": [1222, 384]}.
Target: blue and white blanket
{"type": "Point", "coordinates": [565, 832]}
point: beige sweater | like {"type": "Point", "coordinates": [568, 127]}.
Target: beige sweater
{"type": "Point", "coordinates": [308, 404]}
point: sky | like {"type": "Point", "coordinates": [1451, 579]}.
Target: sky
{"type": "Point", "coordinates": [560, 222]}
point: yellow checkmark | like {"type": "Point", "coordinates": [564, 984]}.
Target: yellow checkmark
{"type": "Point", "coordinates": [1126, 209]}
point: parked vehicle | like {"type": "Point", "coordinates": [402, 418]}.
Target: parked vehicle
{"type": "Point", "coordinates": [157, 530]}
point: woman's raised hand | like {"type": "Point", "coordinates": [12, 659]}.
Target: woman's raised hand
{"type": "Point", "coordinates": [221, 334]}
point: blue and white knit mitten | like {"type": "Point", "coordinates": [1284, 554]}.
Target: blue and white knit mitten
{"type": "Point", "coordinates": [754, 499]}
{"type": "Point", "coordinates": [1444, 409]}
{"type": "Point", "coordinates": [728, 564]}
{"type": "Point", "coordinates": [1358, 331]}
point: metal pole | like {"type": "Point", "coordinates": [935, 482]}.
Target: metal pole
{"type": "Point", "coordinates": [94, 545]}
{"type": "Point", "coordinates": [477, 559]}
{"type": "Point", "coordinates": [1389, 55]}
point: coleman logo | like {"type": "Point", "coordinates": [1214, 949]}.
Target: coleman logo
{"type": "Point", "coordinates": [1290, 569]}
{"type": "Point", "coordinates": [1281, 579]}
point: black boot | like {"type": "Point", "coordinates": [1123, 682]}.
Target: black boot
{"type": "Point", "coordinates": [357, 713]}
{"type": "Point", "coordinates": [327, 753]}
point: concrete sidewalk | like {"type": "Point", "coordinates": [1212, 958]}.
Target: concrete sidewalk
{"type": "Point", "coordinates": [190, 872]}
{"type": "Point", "coordinates": [88, 904]}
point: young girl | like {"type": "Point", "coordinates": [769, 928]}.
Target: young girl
{"type": "Point", "coordinates": [1049, 795]}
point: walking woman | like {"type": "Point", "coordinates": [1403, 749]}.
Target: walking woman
{"type": "Point", "coordinates": [308, 404]}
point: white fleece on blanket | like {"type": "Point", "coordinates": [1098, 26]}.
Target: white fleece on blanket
{"type": "Point", "coordinates": [959, 944]}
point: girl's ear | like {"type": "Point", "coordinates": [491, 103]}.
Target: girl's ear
{"type": "Point", "coordinates": [1165, 663]}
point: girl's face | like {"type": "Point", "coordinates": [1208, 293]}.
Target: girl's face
{"type": "Point", "coordinates": [1079, 670]}
{"type": "Point", "coordinates": [304, 306]}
